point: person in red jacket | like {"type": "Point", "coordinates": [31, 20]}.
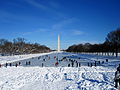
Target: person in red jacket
{"type": "Point", "coordinates": [56, 64]}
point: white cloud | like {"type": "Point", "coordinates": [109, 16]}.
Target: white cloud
{"type": "Point", "coordinates": [63, 23]}
{"type": "Point", "coordinates": [35, 31]}
{"type": "Point", "coordinates": [36, 4]}
{"type": "Point", "coordinates": [78, 32]}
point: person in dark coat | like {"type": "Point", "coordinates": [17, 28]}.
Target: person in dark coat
{"type": "Point", "coordinates": [76, 64]}
{"type": "Point", "coordinates": [95, 64]}
{"type": "Point", "coordinates": [0, 65]}
{"type": "Point", "coordinates": [106, 60]}
{"type": "Point", "coordinates": [29, 63]}
{"type": "Point", "coordinates": [68, 65]}
{"type": "Point", "coordinates": [6, 64]}
{"type": "Point", "coordinates": [19, 63]}
{"type": "Point", "coordinates": [72, 63]}
{"type": "Point", "coordinates": [16, 64]}
{"type": "Point", "coordinates": [88, 64]}
{"type": "Point", "coordinates": [102, 62]}
{"type": "Point", "coordinates": [118, 68]}
{"type": "Point", "coordinates": [99, 62]}
{"type": "Point", "coordinates": [43, 59]}
{"type": "Point", "coordinates": [117, 77]}
{"type": "Point", "coordinates": [79, 64]}
{"type": "Point", "coordinates": [91, 64]}
{"type": "Point", "coordinates": [10, 64]}
{"type": "Point", "coordinates": [42, 64]}
{"type": "Point", "coordinates": [26, 63]}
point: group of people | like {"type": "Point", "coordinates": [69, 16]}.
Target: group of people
{"type": "Point", "coordinates": [96, 63]}
{"type": "Point", "coordinates": [16, 64]}
{"type": "Point", "coordinates": [74, 63]}
{"type": "Point", "coordinates": [11, 64]}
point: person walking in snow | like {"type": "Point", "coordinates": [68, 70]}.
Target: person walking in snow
{"type": "Point", "coordinates": [26, 63]}
{"type": "Point", "coordinates": [72, 63]}
{"type": "Point", "coordinates": [117, 77]}
{"type": "Point", "coordinates": [29, 63]}
{"type": "Point", "coordinates": [91, 64]}
{"type": "Point", "coordinates": [0, 65]}
{"type": "Point", "coordinates": [54, 57]}
{"type": "Point", "coordinates": [88, 64]}
{"type": "Point", "coordinates": [19, 63]}
{"type": "Point", "coordinates": [42, 64]}
{"type": "Point", "coordinates": [6, 64]}
{"type": "Point", "coordinates": [106, 60]}
{"type": "Point", "coordinates": [16, 64]}
{"type": "Point", "coordinates": [79, 64]}
{"type": "Point", "coordinates": [10, 64]}
{"type": "Point", "coordinates": [118, 68]}
{"type": "Point", "coordinates": [56, 64]}
{"type": "Point", "coordinates": [98, 62]}
{"type": "Point", "coordinates": [43, 59]}
{"type": "Point", "coordinates": [68, 65]}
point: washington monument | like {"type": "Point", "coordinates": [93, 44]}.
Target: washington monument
{"type": "Point", "coordinates": [58, 43]}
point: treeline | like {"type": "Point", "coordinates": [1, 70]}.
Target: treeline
{"type": "Point", "coordinates": [111, 45]}
{"type": "Point", "coordinates": [20, 46]}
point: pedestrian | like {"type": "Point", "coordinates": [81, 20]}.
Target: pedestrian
{"type": "Point", "coordinates": [56, 64]}
{"type": "Point", "coordinates": [98, 62]}
{"type": "Point", "coordinates": [76, 61]}
{"type": "Point", "coordinates": [91, 64]}
{"type": "Point", "coordinates": [102, 62]}
{"type": "Point", "coordinates": [79, 64]}
{"type": "Point", "coordinates": [0, 65]}
{"type": "Point", "coordinates": [26, 63]}
{"type": "Point", "coordinates": [16, 64]}
{"type": "Point", "coordinates": [29, 63]}
{"type": "Point", "coordinates": [19, 63]}
{"type": "Point", "coordinates": [106, 60]}
{"type": "Point", "coordinates": [88, 65]}
{"type": "Point", "coordinates": [68, 65]}
{"type": "Point", "coordinates": [76, 64]}
{"type": "Point", "coordinates": [10, 64]}
{"type": "Point", "coordinates": [95, 63]}
{"type": "Point", "coordinates": [117, 77]}
{"type": "Point", "coordinates": [118, 68]}
{"type": "Point", "coordinates": [72, 64]}
{"type": "Point", "coordinates": [6, 64]}
{"type": "Point", "coordinates": [42, 64]}
{"type": "Point", "coordinates": [43, 59]}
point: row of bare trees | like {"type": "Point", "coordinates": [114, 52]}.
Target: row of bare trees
{"type": "Point", "coordinates": [111, 45]}
{"type": "Point", "coordinates": [20, 46]}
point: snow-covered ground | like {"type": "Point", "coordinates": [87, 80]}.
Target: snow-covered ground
{"type": "Point", "coordinates": [60, 77]}
{"type": "Point", "coordinates": [4, 59]}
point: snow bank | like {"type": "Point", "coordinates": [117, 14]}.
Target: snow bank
{"type": "Point", "coordinates": [51, 78]}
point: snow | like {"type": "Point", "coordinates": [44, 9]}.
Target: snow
{"type": "Point", "coordinates": [61, 77]}
{"type": "Point", "coordinates": [4, 59]}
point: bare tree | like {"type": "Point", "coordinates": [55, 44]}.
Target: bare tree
{"type": "Point", "coordinates": [114, 38]}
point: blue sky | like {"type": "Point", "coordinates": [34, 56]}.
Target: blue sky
{"type": "Point", "coordinates": [77, 21]}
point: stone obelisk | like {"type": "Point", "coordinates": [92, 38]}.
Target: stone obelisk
{"type": "Point", "coordinates": [58, 43]}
